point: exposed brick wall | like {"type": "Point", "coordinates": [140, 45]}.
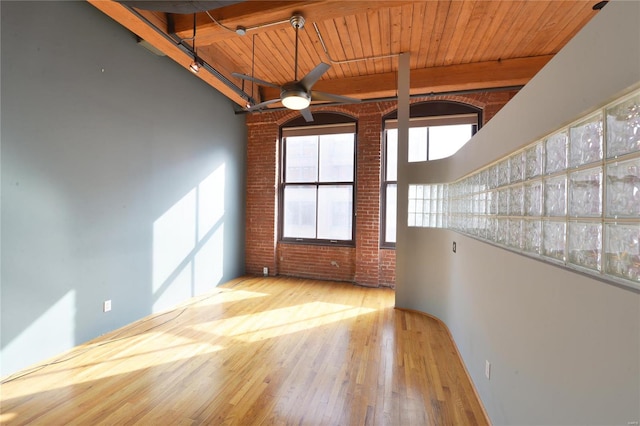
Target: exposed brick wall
{"type": "Point", "coordinates": [262, 163]}
{"type": "Point", "coordinates": [387, 267]}
{"type": "Point", "coordinates": [318, 262]}
{"type": "Point", "coordinates": [365, 264]}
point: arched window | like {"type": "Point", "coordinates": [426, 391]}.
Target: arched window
{"type": "Point", "coordinates": [437, 129]}
{"type": "Point", "coordinates": [317, 180]}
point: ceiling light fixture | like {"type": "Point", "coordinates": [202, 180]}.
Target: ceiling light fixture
{"type": "Point", "coordinates": [195, 66]}
{"type": "Point", "coordinates": [293, 97]}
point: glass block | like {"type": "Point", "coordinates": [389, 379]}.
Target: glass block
{"type": "Point", "coordinates": [426, 206]}
{"type": "Point", "coordinates": [453, 206]}
{"type": "Point", "coordinates": [585, 142]}
{"type": "Point", "coordinates": [466, 223]}
{"type": "Point", "coordinates": [503, 172]}
{"type": "Point", "coordinates": [502, 231]}
{"type": "Point", "coordinates": [533, 198]}
{"type": "Point", "coordinates": [623, 189]}
{"type": "Point", "coordinates": [516, 167]}
{"type": "Point", "coordinates": [623, 127]}
{"type": "Point", "coordinates": [473, 227]}
{"type": "Point", "coordinates": [516, 200]}
{"type": "Point", "coordinates": [492, 225]}
{"type": "Point", "coordinates": [555, 148]}
{"type": "Point", "coordinates": [553, 239]}
{"type": "Point", "coordinates": [532, 230]}
{"type": "Point", "coordinates": [483, 177]}
{"type": "Point", "coordinates": [585, 193]}
{"type": "Point", "coordinates": [412, 191]}
{"type": "Point", "coordinates": [411, 220]}
{"type": "Point", "coordinates": [503, 201]}
{"type": "Point", "coordinates": [482, 227]}
{"type": "Point", "coordinates": [515, 233]}
{"type": "Point", "coordinates": [622, 251]}
{"type": "Point", "coordinates": [439, 221]}
{"type": "Point", "coordinates": [434, 192]}
{"type": "Point", "coordinates": [420, 219]}
{"type": "Point", "coordinates": [585, 244]}
{"type": "Point", "coordinates": [555, 195]}
{"type": "Point", "coordinates": [492, 176]}
{"type": "Point", "coordinates": [478, 204]}
{"type": "Point", "coordinates": [533, 161]}
{"type": "Point", "coordinates": [473, 182]}
{"type": "Point", "coordinates": [492, 202]}
{"type": "Point", "coordinates": [432, 221]}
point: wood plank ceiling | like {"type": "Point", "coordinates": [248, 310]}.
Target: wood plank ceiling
{"type": "Point", "coordinates": [453, 45]}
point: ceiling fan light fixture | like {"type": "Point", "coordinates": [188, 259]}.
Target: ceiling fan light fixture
{"type": "Point", "coordinates": [295, 99]}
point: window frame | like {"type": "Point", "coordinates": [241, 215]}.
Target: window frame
{"type": "Point", "coordinates": [444, 112]}
{"type": "Point", "coordinates": [323, 124]}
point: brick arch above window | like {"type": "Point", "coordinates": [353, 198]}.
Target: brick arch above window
{"type": "Point", "coordinates": [436, 107]}
{"type": "Point", "coordinates": [293, 116]}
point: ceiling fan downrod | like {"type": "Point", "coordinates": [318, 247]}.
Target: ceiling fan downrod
{"type": "Point", "coordinates": [297, 22]}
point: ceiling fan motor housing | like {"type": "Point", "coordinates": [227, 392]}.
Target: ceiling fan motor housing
{"type": "Point", "coordinates": [295, 96]}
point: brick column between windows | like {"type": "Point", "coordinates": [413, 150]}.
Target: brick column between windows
{"type": "Point", "coordinates": [368, 200]}
{"type": "Point", "coordinates": [261, 214]}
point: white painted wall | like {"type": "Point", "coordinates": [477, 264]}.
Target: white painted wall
{"type": "Point", "coordinates": [564, 347]}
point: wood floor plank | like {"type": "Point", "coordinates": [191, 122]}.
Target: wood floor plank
{"type": "Point", "coordinates": [257, 351]}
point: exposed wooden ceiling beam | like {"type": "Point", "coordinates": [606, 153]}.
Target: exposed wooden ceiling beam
{"type": "Point", "coordinates": [256, 13]}
{"type": "Point", "coordinates": [480, 75]}
{"type": "Point", "coordinates": [136, 25]}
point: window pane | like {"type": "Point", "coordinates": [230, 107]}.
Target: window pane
{"type": "Point", "coordinates": [392, 154]}
{"type": "Point", "coordinates": [336, 158]}
{"type": "Point", "coordinates": [417, 144]}
{"type": "Point", "coordinates": [390, 217]}
{"type": "Point", "coordinates": [444, 141]}
{"type": "Point", "coordinates": [301, 159]}
{"type": "Point", "coordinates": [335, 204]}
{"type": "Point", "coordinates": [299, 212]}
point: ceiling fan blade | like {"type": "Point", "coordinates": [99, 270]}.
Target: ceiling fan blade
{"type": "Point", "coordinates": [314, 75]}
{"type": "Point", "coordinates": [255, 80]}
{"type": "Point", "coordinates": [306, 113]}
{"type": "Point", "coordinates": [321, 96]}
{"type": "Point", "coordinates": [262, 104]}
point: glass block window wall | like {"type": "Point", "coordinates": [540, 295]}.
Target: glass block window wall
{"type": "Point", "coordinates": [572, 198]}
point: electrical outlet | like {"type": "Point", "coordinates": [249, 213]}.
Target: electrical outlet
{"type": "Point", "coordinates": [454, 246]}
{"type": "Point", "coordinates": [265, 271]}
{"type": "Point", "coordinates": [106, 306]}
{"type": "Point", "coordinates": [487, 370]}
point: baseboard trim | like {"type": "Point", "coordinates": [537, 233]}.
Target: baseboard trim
{"type": "Point", "coordinates": [464, 366]}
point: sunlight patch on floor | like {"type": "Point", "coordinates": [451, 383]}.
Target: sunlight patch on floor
{"type": "Point", "coordinates": [283, 321]}
{"type": "Point", "coordinates": [156, 350]}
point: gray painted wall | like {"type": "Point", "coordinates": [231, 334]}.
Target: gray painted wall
{"type": "Point", "coordinates": [122, 179]}
{"type": "Point", "coordinates": [564, 347]}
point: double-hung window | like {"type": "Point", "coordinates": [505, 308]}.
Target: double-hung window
{"type": "Point", "coordinates": [439, 133]}
{"type": "Point", "coordinates": [317, 188]}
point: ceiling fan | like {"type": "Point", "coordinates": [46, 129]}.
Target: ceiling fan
{"type": "Point", "coordinates": [297, 94]}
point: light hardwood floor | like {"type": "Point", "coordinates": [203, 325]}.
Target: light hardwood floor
{"type": "Point", "coordinates": [257, 351]}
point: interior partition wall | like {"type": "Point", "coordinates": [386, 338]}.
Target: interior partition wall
{"type": "Point", "coordinates": [541, 207]}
